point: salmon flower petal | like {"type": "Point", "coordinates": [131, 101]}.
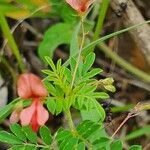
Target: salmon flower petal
{"type": "Point", "coordinates": [73, 3]}
{"type": "Point", "coordinates": [36, 115]}
{"type": "Point", "coordinates": [80, 6]}
{"type": "Point", "coordinates": [42, 114]}
{"type": "Point", "coordinates": [23, 86]}
{"type": "Point", "coordinates": [27, 114]}
{"type": "Point", "coordinates": [30, 85]}
{"type": "Point", "coordinates": [37, 86]}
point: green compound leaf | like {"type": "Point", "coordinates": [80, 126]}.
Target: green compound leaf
{"type": "Point", "coordinates": [85, 130]}
{"type": "Point", "coordinates": [55, 36]}
{"type": "Point", "coordinates": [17, 130]}
{"type": "Point", "coordinates": [116, 145]}
{"type": "Point", "coordinates": [31, 136]}
{"type": "Point", "coordinates": [46, 135]}
{"type": "Point", "coordinates": [9, 138]}
{"type": "Point", "coordinates": [135, 147]}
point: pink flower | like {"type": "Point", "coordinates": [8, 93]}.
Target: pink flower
{"type": "Point", "coordinates": [36, 115]}
{"type": "Point", "coordinates": [81, 6]}
{"type": "Point", "coordinates": [31, 86]}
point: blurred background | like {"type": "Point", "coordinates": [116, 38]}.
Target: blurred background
{"type": "Point", "coordinates": [29, 20]}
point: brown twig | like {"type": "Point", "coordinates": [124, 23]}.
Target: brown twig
{"type": "Point", "coordinates": [133, 113]}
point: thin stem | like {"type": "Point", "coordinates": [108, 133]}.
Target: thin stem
{"type": "Point", "coordinates": [73, 129]}
{"type": "Point", "coordinates": [70, 121]}
{"type": "Point", "coordinates": [136, 110]}
{"type": "Point", "coordinates": [123, 63]}
{"type": "Point", "coordinates": [120, 126]}
{"type": "Point", "coordinates": [100, 21]}
{"type": "Point", "coordinates": [130, 115]}
{"type": "Point", "coordinates": [79, 54]}
{"type": "Point", "coordinates": [101, 17]}
{"type": "Point", "coordinates": [7, 33]}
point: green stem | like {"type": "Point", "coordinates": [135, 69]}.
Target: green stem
{"type": "Point", "coordinates": [100, 21]}
{"type": "Point", "coordinates": [70, 122]}
{"type": "Point", "coordinates": [79, 54]}
{"type": "Point", "coordinates": [123, 63]}
{"type": "Point", "coordinates": [7, 33]}
{"type": "Point", "coordinates": [101, 17]}
{"type": "Point", "coordinates": [73, 129]}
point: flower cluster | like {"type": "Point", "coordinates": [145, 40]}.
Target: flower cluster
{"type": "Point", "coordinates": [30, 86]}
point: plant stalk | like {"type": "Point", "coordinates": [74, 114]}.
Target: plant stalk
{"type": "Point", "coordinates": [101, 18]}
{"type": "Point", "coordinates": [73, 129]}
{"type": "Point", "coordinates": [79, 54]}
{"type": "Point", "coordinates": [70, 122]}
{"type": "Point", "coordinates": [11, 42]}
